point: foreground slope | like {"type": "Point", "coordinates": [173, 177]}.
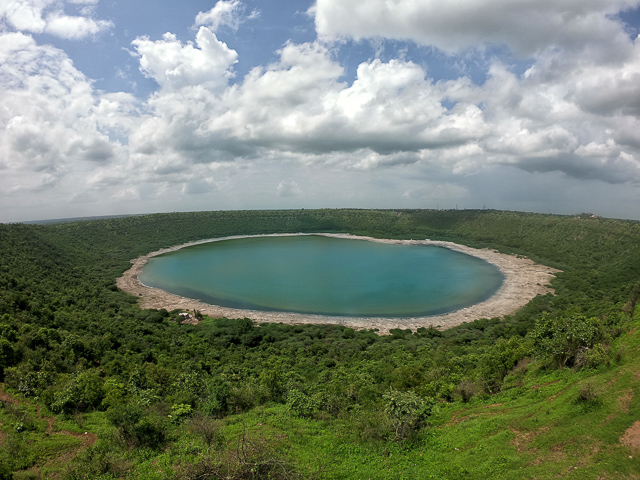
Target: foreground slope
{"type": "Point", "coordinates": [549, 391]}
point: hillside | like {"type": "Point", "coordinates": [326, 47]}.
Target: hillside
{"type": "Point", "coordinates": [547, 392]}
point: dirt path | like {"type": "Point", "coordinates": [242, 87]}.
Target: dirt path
{"type": "Point", "coordinates": [523, 280]}
{"type": "Point", "coordinates": [87, 438]}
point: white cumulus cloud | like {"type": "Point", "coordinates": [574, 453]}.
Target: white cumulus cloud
{"type": "Point", "coordinates": [174, 65]}
{"type": "Point", "coordinates": [49, 16]}
{"type": "Point", "coordinates": [526, 26]}
{"type": "Point", "coordinates": [393, 115]}
{"type": "Point", "coordinates": [52, 131]}
{"type": "Point", "coordinates": [228, 13]}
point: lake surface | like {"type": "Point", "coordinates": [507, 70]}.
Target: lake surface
{"type": "Point", "coordinates": [313, 274]}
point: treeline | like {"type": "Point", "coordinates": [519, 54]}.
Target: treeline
{"type": "Point", "coordinates": [71, 341]}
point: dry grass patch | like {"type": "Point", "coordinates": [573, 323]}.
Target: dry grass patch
{"type": "Point", "coordinates": [523, 439]}
{"type": "Point", "coordinates": [624, 401]}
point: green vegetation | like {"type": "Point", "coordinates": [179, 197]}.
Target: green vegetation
{"type": "Point", "coordinates": [94, 387]}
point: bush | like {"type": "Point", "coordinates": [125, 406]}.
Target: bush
{"type": "Point", "coordinates": [498, 360]}
{"type": "Point", "coordinates": [217, 403]}
{"type": "Point", "coordinates": [468, 389]}
{"type": "Point", "coordinates": [587, 393]}
{"type": "Point", "coordinates": [592, 357]}
{"type": "Point", "coordinates": [206, 428]}
{"type": "Point", "coordinates": [180, 412]}
{"type": "Point", "coordinates": [253, 458]}
{"type": "Point", "coordinates": [588, 397]}
{"type": "Point", "coordinates": [137, 428]}
{"type": "Point", "coordinates": [559, 340]}
{"type": "Point", "coordinates": [98, 461]}
{"type": "Point", "coordinates": [82, 392]}
{"type": "Point", "coordinates": [5, 471]}
{"type": "Point", "coordinates": [406, 411]}
{"type": "Point", "coordinates": [301, 405]}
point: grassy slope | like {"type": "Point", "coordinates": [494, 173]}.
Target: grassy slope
{"type": "Point", "coordinates": [537, 428]}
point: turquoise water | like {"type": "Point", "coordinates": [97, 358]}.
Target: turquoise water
{"type": "Point", "coordinates": [328, 276]}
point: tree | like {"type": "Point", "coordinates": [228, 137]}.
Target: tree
{"type": "Point", "coordinates": [83, 391]}
{"type": "Point", "coordinates": [406, 411]}
{"type": "Point", "coordinates": [499, 359]}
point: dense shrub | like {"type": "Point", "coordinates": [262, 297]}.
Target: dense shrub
{"type": "Point", "coordinates": [568, 339]}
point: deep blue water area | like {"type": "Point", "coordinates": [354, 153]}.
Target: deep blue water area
{"type": "Point", "coordinates": [313, 274]}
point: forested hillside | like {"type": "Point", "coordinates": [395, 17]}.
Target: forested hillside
{"type": "Point", "coordinates": [546, 392]}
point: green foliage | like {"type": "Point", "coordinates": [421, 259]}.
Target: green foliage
{"type": "Point", "coordinates": [588, 395]}
{"type": "Point", "coordinates": [217, 403]}
{"type": "Point", "coordinates": [82, 392]}
{"type": "Point", "coordinates": [406, 411]}
{"type": "Point", "coordinates": [301, 404]}
{"type": "Point", "coordinates": [180, 412]}
{"type": "Point", "coordinates": [137, 427]}
{"type": "Point", "coordinates": [99, 462]}
{"type": "Point", "coordinates": [115, 393]}
{"type": "Point", "coordinates": [570, 339]}
{"type": "Point", "coordinates": [207, 429]}
{"type": "Point", "coordinates": [6, 472]}
{"type": "Point", "coordinates": [71, 341]}
{"type": "Point", "coordinates": [499, 359]}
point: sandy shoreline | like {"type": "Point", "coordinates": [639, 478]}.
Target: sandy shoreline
{"type": "Point", "coordinates": [523, 281]}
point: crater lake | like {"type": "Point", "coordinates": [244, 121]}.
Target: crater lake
{"type": "Point", "coordinates": [315, 274]}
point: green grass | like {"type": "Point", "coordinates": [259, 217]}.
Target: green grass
{"type": "Point", "coordinates": [64, 313]}
{"type": "Point", "coordinates": [557, 424]}
{"type": "Point", "coordinates": [547, 430]}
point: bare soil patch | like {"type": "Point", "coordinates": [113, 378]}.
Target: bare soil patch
{"type": "Point", "coordinates": [631, 437]}
{"type": "Point", "coordinates": [522, 438]}
{"type": "Point", "coordinates": [536, 387]}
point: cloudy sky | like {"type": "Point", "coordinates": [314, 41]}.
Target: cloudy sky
{"type": "Point", "coordinates": [114, 106]}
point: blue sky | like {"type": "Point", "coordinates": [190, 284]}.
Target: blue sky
{"type": "Point", "coordinates": [112, 107]}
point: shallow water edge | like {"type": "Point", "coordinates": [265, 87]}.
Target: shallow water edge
{"type": "Point", "coordinates": [523, 281]}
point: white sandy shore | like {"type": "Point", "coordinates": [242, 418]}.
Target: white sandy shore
{"type": "Point", "coordinates": [523, 280]}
